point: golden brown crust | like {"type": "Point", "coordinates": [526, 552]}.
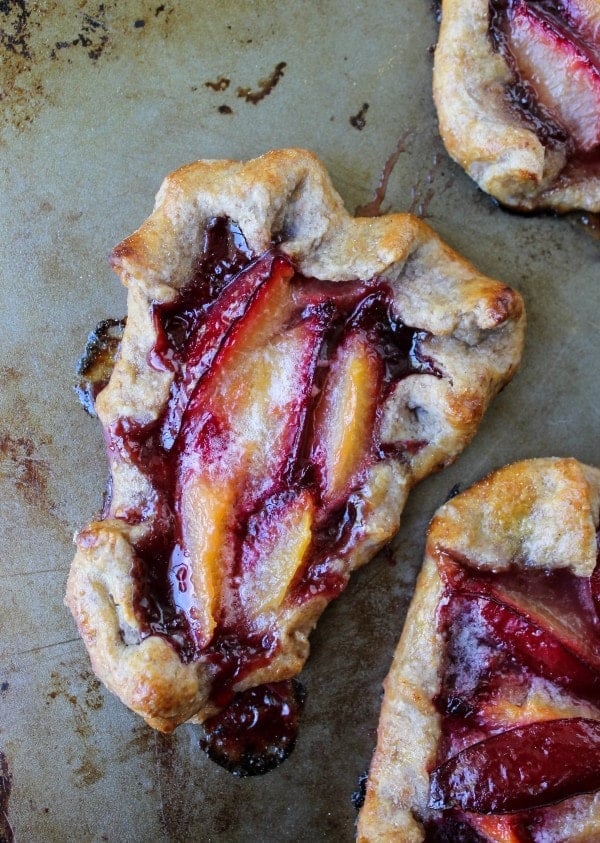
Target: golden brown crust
{"type": "Point", "coordinates": [496, 149]}
{"type": "Point", "coordinates": [535, 513]}
{"type": "Point", "coordinates": [476, 326]}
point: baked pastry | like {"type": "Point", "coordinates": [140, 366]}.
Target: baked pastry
{"type": "Point", "coordinates": [517, 89]}
{"type": "Point", "coordinates": [286, 374]}
{"type": "Point", "coordinates": [490, 724]}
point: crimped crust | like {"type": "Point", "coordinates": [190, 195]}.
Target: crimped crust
{"type": "Point", "coordinates": [493, 145]}
{"type": "Point", "coordinates": [476, 327]}
{"type": "Point", "coordinates": [536, 513]}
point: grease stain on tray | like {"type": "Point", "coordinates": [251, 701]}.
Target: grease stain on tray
{"type": "Point", "coordinates": [40, 41]}
{"type": "Point", "coordinates": [87, 768]}
{"type": "Point", "coordinates": [92, 695]}
{"type": "Point", "coordinates": [28, 474]}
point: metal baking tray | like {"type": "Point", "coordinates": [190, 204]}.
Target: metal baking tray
{"type": "Point", "coordinates": [101, 100]}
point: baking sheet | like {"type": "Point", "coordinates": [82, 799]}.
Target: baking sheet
{"type": "Point", "coordinates": [100, 101]}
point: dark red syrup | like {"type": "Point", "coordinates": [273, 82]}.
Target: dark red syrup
{"type": "Point", "coordinates": [198, 333]}
{"type": "Point", "coordinates": [257, 730]}
{"type": "Point", "coordinates": [504, 631]}
{"type": "Point", "coordinates": [451, 830]}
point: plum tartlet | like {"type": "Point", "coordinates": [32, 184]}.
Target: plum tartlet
{"type": "Point", "coordinates": [517, 91]}
{"type": "Point", "coordinates": [285, 375]}
{"type": "Point", "coordinates": [490, 724]}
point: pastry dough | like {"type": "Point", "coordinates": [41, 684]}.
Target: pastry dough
{"type": "Point", "coordinates": [175, 629]}
{"type": "Point", "coordinates": [523, 521]}
{"type": "Point", "coordinates": [526, 162]}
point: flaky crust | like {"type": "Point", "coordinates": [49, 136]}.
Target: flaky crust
{"type": "Point", "coordinates": [536, 513]}
{"type": "Point", "coordinates": [493, 145]}
{"type": "Point", "coordinates": [476, 327]}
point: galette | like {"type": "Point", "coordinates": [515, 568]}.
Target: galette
{"type": "Point", "coordinates": [517, 91]}
{"type": "Point", "coordinates": [286, 374]}
{"type": "Point", "coordinates": [490, 724]}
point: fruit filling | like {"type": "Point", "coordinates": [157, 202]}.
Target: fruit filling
{"type": "Point", "coordinates": [519, 701]}
{"type": "Point", "coordinates": [552, 47]}
{"type": "Point", "coordinates": [257, 731]}
{"type": "Point", "coordinates": [258, 461]}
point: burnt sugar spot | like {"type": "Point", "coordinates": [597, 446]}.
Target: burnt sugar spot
{"type": "Point", "coordinates": [14, 27]}
{"type": "Point", "coordinates": [436, 9]}
{"type": "Point", "coordinates": [225, 109]}
{"type": "Point", "coordinates": [6, 832]}
{"type": "Point", "coordinates": [32, 37]}
{"type": "Point", "coordinates": [257, 731]}
{"type": "Point", "coordinates": [87, 773]}
{"type": "Point", "coordinates": [10, 374]}
{"type": "Point", "coordinates": [220, 84]}
{"type": "Point", "coordinates": [358, 796]}
{"type": "Point", "coordinates": [358, 120]}
{"type": "Point", "coordinates": [92, 35]}
{"type": "Point", "coordinates": [38, 41]}
{"type": "Point", "coordinates": [265, 86]}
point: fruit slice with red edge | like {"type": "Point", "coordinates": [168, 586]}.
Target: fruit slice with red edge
{"type": "Point", "coordinates": [535, 647]}
{"type": "Point", "coordinates": [564, 75]}
{"type": "Point", "coordinates": [346, 415]}
{"type": "Point", "coordinates": [206, 342]}
{"type": "Point", "coordinates": [276, 546]}
{"type": "Point", "coordinates": [524, 768]}
{"type": "Point", "coordinates": [558, 603]}
{"type": "Point", "coordinates": [584, 17]}
{"type": "Point", "coordinates": [259, 382]}
{"type": "Point", "coordinates": [263, 319]}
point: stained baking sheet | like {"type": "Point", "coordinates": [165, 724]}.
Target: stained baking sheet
{"type": "Point", "coordinates": [100, 101]}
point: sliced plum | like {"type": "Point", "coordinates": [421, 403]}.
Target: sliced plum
{"type": "Point", "coordinates": [345, 415]}
{"type": "Point", "coordinates": [527, 767]}
{"type": "Point", "coordinates": [204, 342]}
{"type": "Point", "coordinates": [556, 601]}
{"type": "Point", "coordinates": [552, 48]}
{"type": "Point", "coordinates": [564, 75]}
{"type": "Point", "coordinates": [539, 650]}
{"type": "Point", "coordinates": [276, 546]}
